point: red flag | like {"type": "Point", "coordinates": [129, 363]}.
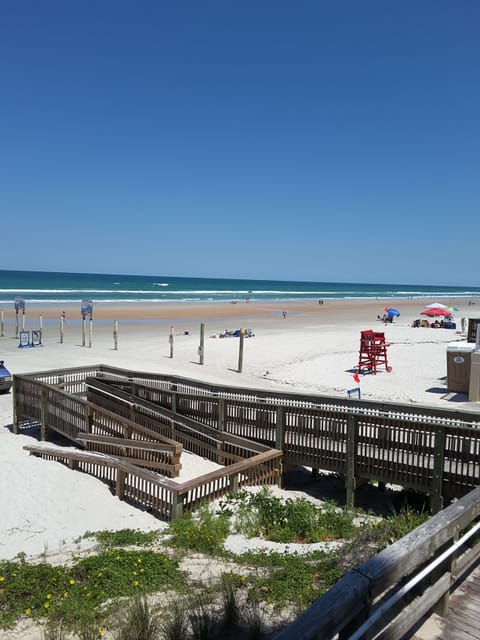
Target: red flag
{"type": "Point", "coordinates": [356, 377]}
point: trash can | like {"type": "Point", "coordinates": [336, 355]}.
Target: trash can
{"type": "Point", "coordinates": [458, 365]}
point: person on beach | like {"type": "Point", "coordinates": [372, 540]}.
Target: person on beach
{"type": "Point", "coordinates": [284, 314]}
{"type": "Point", "coordinates": [462, 322]}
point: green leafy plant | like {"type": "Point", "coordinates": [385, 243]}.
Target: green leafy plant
{"type": "Point", "coordinates": [204, 532]}
{"type": "Point", "coordinates": [264, 515]}
{"type": "Point", "coordinates": [124, 538]}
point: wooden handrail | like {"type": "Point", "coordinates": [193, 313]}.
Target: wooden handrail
{"type": "Point", "coordinates": [361, 591]}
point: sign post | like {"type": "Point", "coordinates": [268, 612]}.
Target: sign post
{"type": "Point", "coordinates": [201, 348]}
{"type": "Point", "coordinates": [170, 340]}
{"type": "Point", "coordinates": [87, 310]}
{"type": "Point", "coordinates": [240, 350]}
{"type": "Point", "coordinates": [19, 306]}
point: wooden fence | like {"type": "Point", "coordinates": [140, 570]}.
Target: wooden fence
{"type": "Point", "coordinates": [125, 446]}
{"type": "Point", "coordinates": [162, 496]}
{"type": "Point", "coordinates": [389, 595]}
{"type": "Point", "coordinates": [430, 450]}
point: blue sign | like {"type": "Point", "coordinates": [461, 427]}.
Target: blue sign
{"type": "Point", "coordinates": [19, 304]}
{"type": "Point", "coordinates": [24, 339]}
{"type": "Point", "coordinates": [87, 308]}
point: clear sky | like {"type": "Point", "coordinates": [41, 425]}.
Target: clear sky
{"type": "Point", "coordinates": [299, 140]}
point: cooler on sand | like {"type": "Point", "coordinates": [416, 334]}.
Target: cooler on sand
{"type": "Point", "coordinates": [458, 366]}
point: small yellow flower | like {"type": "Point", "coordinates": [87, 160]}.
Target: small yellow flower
{"type": "Point", "coordinates": [49, 596]}
{"type": "Point", "coordinates": [28, 612]}
{"type": "Point", "coordinates": [65, 594]}
{"type": "Point", "coordinates": [142, 570]}
{"type": "Point", "coordinates": [72, 581]}
{"type": "Point", "coordinates": [135, 583]}
{"type": "Point", "coordinates": [2, 578]}
{"type": "Point", "coordinates": [101, 631]}
{"type": "Point", "coordinates": [46, 605]}
{"type": "Point", "coordinates": [139, 560]}
{"type": "Point", "coordinates": [134, 573]}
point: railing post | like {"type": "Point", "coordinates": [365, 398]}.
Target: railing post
{"type": "Point", "coordinates": [233, 480]}
{"type": "Point", "coordinates": [436, 498]}
{"type": "Point", "coordinates": [280, 430]}
{"type": "Point", "coordinates": [280, 441]}
{"type": "Point", "coordinates": [177, 505]}
{"type": "Point", "coordinates": [221, 415]}
{"type": "Point", "coordinates": [14, 400]}
{"type": "Point", "coordinates": [351, 460]}
{"type": "Point", "coordinates": [173, 401]}
{"type": "Point", "coordinates": [88, 419]}
{"type": "Point", "coordinates": [220, 427]}
{"type": "Point", "coordinates": [43, 412]}
{"type": "Point", "coordinates": [120, 484]}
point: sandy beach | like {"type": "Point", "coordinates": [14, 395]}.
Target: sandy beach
{"type": "Point", "coordinates": [313, 349]}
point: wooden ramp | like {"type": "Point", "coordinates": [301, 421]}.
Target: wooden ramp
{"type": "Point", "coordinates": [463, 620]}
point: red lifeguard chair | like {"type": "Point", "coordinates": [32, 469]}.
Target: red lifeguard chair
{"type": "Point", "coordinates": [373, 351]}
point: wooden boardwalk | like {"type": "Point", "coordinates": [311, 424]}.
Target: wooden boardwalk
{"type": "Point", "coordinates": [463, 620]}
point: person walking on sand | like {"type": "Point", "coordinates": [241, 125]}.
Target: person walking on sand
{"type": "Point", "coordinates": [284, 314]}
{"type": "Point", "coordinates": [462, 322]}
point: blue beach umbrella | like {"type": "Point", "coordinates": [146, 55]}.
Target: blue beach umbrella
{"type": "Point", "coordinates": [390, 311]}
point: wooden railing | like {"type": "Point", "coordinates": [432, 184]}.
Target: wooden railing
{"type": "Point", "coordinates": [441, 460]}
{"type": "Point", "coordinates": [430, 450]}
{"type": "Point", "coordinates": [162, 496]}
{"type": "Point", "coordinates": [390, 594]}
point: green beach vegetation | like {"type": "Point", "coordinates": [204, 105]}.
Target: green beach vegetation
{"type": "Point", "coordinates": [140, 586]}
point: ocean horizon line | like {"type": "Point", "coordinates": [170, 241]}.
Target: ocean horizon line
{"type": "Point", "coordinates": [45, 287]}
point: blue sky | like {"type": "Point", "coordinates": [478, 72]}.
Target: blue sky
{"type": "Point", "coordinates": [299, 140]}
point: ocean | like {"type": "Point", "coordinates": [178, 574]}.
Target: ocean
{"type": "Point", "coordinates": [57, 287]}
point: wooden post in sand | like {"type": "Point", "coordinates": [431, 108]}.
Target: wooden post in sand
{"type": "Point", "coordinates": [115, 335]}
{"type": "Point", "coordinates": [83, 331]}
{"type": "Point", "coordinates": [2, 333]}
{"type": "Point", "coordinates": [90, 331]}
{"type": "Point", "coordinates": [240, 350]}
{"type": "Point", "coordinates": [62, 326]}
{"type": "Point", "coordinates": [170, 339]}
{"type": "Point", "coordinates": [201, 348]}
{"type": "Point", "coordinates": [40, 322]}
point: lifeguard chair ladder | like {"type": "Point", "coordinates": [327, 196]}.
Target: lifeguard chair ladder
{"type": "Point", "coordinates": [373, 351]}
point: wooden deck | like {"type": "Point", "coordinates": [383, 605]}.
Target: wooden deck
{"type": "Point", "coordinates": [463, 620]}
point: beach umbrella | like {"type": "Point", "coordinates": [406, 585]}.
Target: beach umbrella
{"type": "Point", "coordinates": [392, 312]}
{"type": "Point", "coordinates": [436, 305]}
{"type": "Point", "coordinates": [435, 312]}
{"type": "Point", "coordinates": [452, 309]}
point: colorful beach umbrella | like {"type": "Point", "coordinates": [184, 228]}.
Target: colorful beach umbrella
{"type": "Point", "coordinates": [392, 312]}
{"type": "Point", "coordinates": [436, 305]}
{"type": "Point", "coordinates": [435, 312]}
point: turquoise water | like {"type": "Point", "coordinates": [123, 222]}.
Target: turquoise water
{"type": "Point", "coordinates": [49, 287]}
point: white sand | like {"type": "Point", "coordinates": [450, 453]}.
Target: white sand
{"type": "Point", "coordinates": [46, 507]}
